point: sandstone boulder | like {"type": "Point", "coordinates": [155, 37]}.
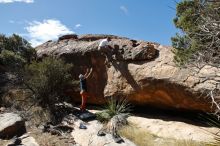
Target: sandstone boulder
{"type": "Point", "coordinates": [11, 125]}
{"type": "Point", "coordinates": [144, 72]}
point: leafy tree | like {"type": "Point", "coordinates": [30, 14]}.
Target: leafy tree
{"type": "Point", "coordinates": [199, 44]}
{"type": "Point", "coordinates": [15, 52]}
{"type": "Point", "coordinates": [199, 21]}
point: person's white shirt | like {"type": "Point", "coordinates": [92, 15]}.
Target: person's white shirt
{"type": "Point", "coordinates": [103, 43]}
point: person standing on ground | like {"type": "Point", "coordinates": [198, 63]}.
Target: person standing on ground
{"type": "Point", "coordinates": [83, 88]}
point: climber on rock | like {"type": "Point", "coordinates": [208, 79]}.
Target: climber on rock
{"type": "Point", "coordinates": [83, 88]}
{"type": "Point", "coordinates": [106, 50]}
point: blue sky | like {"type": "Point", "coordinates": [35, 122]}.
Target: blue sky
{"type": "Point", "coordinates": [42, 20]}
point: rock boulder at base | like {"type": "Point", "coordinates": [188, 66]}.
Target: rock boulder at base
{"type": "Point", "coordinates": [11, 125]}
{"type": "Point", "coordinates": [144, 72]}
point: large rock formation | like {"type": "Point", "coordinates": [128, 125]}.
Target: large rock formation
{"type": "Point", "coordinates": [144, 72]}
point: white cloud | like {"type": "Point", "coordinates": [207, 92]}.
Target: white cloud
{"type": "Point", "coordinates": [124, 9]}
{"type": "Point", "coordinates": [78, 26]}
{"type": "Point", "coordinates": [50, 29]}
{"type": "Point", "coordinates": [12, 1]}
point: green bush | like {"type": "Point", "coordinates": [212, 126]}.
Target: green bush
{"type": "Point", "coordinates": [15, 52]}
{"type": "Point", "coordinates": [16, 44]}
{"type": "Point", "coordinates": [47, 79]}
{"type": "Point", "coordinates": [184, 49]}
{"type": "Point", "coordinates": [11, 61]}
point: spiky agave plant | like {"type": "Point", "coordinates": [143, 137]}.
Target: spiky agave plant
{"type": "Point", "coordinates": [118, 106]}
{"type": "Point", "coordinates": [114, 107]}
{"type": "Point", "coordinates": [114, 116]}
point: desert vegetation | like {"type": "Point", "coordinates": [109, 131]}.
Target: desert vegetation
{"type": "Point", "coordinates": [32, 87]}
{"type": "Point", "coordinates": [198, 44]}
{"type": "Point", "coordinates": [47, 80]}
{"type": "Point", "coordinates": [36, 88]}
{"type": "Point", "coordinates": [199, 41]}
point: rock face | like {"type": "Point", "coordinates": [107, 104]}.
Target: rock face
{"type": "Point", "coordinates": [144, 72]}
{"type": "Point", "coordinates": [11, 125]}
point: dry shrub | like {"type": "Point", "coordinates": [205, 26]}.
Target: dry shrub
{"type": "Point", "coordinates": [21, 102]}
{"type": "Point", "coordinates": [46, 139]}
{"type": "Point", "coordinates": [37, 116]}
{"type": "Point", "coordinates": [48, 80]}
{"type": "Point", "coordinates": [17, 98]}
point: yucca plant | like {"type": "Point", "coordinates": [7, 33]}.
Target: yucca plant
{"type": "Point", "coordinates": [114, 116]}
{"type": "Point", "coordinates": [114, 107]}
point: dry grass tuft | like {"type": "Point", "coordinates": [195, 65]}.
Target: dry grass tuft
{"type": "Point", "coordinates": [37, 115]}
{"type": "Point", "coordinates": [139, 137]}
{"type": "Point", "coordinates": [43, 139]}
